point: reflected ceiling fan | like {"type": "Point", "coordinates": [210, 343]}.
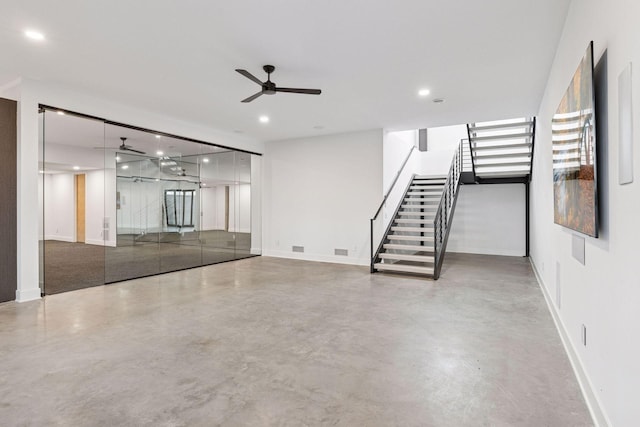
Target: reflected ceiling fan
{"type": "Point", "coordinates": [122, 147]}
{"type": "Point", "coordinates": [270, 88]}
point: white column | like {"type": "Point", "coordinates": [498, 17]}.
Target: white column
{"type": "Point", "coordinates": [28, 214]}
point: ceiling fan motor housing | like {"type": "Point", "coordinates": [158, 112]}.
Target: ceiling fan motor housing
{"type": "Point", "coordinates": [269, 88]}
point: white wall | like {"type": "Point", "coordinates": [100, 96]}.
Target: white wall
{"type": "Point", "coordinates": [59, 207]}
{"type": "Point", "coordinates": [395, 148]}
{"type": "Point", "coordinates": [210, 215]}
{"type": "Point", "coordinates": [99, 208]}
{"type": "Point", "coordinates": [603, 294]}
{"type": "Point", "coordinates": [489, 219]}
{"type": "Point", "coordinates": [442, 142]}
{"type": "Point", "coordinates": [320, 193]}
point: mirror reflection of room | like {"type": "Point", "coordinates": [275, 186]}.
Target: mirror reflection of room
{"type": "Point", "coordinates": [121, 203]}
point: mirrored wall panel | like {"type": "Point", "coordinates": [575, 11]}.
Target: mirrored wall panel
{"type": "Point", "coordinates": [121, 203]}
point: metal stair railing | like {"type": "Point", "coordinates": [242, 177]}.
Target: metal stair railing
{"type": "Point", "coordinates": [444, 214]}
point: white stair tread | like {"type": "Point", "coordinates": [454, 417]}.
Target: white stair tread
{"type": "Point", "coordinates": [405, 257]}
{"type": "Point", "coordinates": [410, 238]}
{"type": "Point", "coordinates": [421, 207]}
{"type": "Point", "coordinates": [404, 268]}
{"type": "Point", "coordinates": [400, 247]}
{"type": "Point", "coordinates": [426, 188]}
{"type": "Point", "coordinates": [414, 221]}
{"type": "Point", "coordinates": [412, 229]}
{"type": "Point", "coordinates": [429, 213]}
{"type": "Point", "coordinates": [419, 196]}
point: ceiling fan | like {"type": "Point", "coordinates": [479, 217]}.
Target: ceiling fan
{"type": "Point", "coordinates": [122, 147]}
{"type": "Point", "coordinates": [270, 88]}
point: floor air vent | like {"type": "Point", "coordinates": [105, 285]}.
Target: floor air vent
{"type": "Point", "coordinates": [297, 248]}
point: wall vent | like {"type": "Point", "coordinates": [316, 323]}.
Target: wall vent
{"type": "Point", "coordinates": [342, 252]}
{"type": "Point", "coordinates": [297, 248]}
{"type": "Point", "coordinates": [584, 335]}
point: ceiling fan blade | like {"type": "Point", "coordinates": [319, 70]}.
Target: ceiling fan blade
{"type": "Point", "coordinates": [252, 97]}
{"type": "Point", "coordinates": [133, 149]}
{"type": "Point", "coordinates": [249, 76]}
{"type": "Point", "coordinates": [293, 90]}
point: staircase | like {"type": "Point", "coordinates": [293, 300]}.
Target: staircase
{"type": "Point", "coordinates": [408, 246]}
{"type": "Point", "coordinates": [416, 238]}
{"type": "Point", "coordinates": [502, 151]}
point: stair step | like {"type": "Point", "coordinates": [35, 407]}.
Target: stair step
{"type": "Point", "coordinates": [405, 257]}
{"type": "Point", "coordinates": [420, 201]}
{"type": "Point", "coordinates": [503, 126]}
{"type": "Point", "coordinates": [424, 193]}
{"type": "Point", "coordinates": [502, 164]}
{"type": "Point", "coordinates": [404, 268]}
{"type": "Point", "coordinates": [426, 188]}
{"type": "Point", "coordinates": [430, 214]}
{"type": "Point", "coordinates": [479, 156]}
{"type": "Point", "coordinates": [500, 137]}
{"type": "Point", "coordinates": [410, 238]}
{"type": "Point", "coordinates": [425, 177]}
{"type": "Point", "coordinates": [412, 229]}
{"type": "Point", "coordinates": [425, 208]}
{"type": "Point", "coordinates": [502, 147]}
{"type": "Point", "coordinates": [414, 221]}
{"type": "Point", "coordinates": [399, 247]}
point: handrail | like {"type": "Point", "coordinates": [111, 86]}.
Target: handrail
{"type": "Point", "coordinates": [386, 196]}
{"type": "Point", "coordinates": [533, 139]}
{"type": "Point", "coordinates": [445, 210]}
{"type": "Point", "coordinates": [473, 163]}
{"type": "Point", "coordinates": [374, 255]}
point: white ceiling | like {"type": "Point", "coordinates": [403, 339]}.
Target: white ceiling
{"type": "Point", "coordinates": [489, 59]}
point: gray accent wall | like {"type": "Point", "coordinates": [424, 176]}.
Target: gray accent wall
{"type": "Point", "coordinates": [8, 185]}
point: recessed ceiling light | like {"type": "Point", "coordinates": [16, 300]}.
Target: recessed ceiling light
{"type": "Point", "coordinates": [204, 184]}
{"type": "Point", "coordinates": [205, 160]}
{"type": "Point", "coordinates": [117, 158]}
{"type": "Point", "coordinates": [159, 153]}
{"type": "Point", "coordinates": [41, 171]}
{"type": "Point", "coordinates": [61, 113]}
{"type": "Point", "coordinates": [157, 179]}
{"type": "Point", "coordinates": [76, 168]}
{"type": "Point", "coordinates": [125, 166]}
{"type": "Point", "coordinates": [158, 136]}
{"type": "Point", "coordinates": [34, 35]}
{"type": "Point", "coordinates": [424, 92]}
{"type": "Point", "coordinates": [438, 100]}
{"type": "Point", "coordinates": [264, 119]}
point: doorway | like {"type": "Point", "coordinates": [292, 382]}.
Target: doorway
{"type": "Point", "coordinates": [80, 207]}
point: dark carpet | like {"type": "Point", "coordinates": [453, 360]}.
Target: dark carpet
{"type": "Point", "coordinates": [72, 266]}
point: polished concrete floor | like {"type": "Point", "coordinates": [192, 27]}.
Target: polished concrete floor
{"type": "Point", "coordinates": [265, 341]}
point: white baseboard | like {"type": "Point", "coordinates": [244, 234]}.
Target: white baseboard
{"type": "Point", "coordinates": [60, 238]}
{"type": "Point", "coordinates": [24, 295]}
{"type": "Point", "coordinates": [596, 409]}
{"type": "Point", "coordinates": [99, 242]}
{"type": "Point", "coordinates": [484, 251]}
{"type": "Point", "coordinates": [335, 259]}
